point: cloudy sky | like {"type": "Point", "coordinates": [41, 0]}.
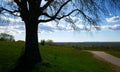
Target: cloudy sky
{"type": "Point", "coordinates": [108, 30]}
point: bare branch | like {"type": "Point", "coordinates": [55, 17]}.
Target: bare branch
{"type": "Point", "coordinates": [17, 2]}
{"type": "Point", "coordinates": [55, 16]}
{"type": "Point", "coordinates": [46, 15]}
{"type": "Point", "coordinates": [47, 4]}
{"type": "Point", "coordinates": [11, 12]}
{"type": "Point", "coordinates": [61, 8]}
{"type": "Point", "coordinates": [47, 20]}
{"type": "Point", "coordinates": [67, 14]}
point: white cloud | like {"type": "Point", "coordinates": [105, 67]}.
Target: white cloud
{"type": "Point", "coordinates": [12, 29]}
{"type": "Point", "coordinates": [18, 26]}
{"type": "Point", "coordinates": [47, 28]}
{"type": "Point", "coordinates": [116, 27]}
{"type": "Point", "coordinates": [5, 20]}
{"type": "Point", "coordinates": [113, 19]}
{"type": "Point", "coordinates": [109, 27]}
{"type": "Point", "coordinates": [11, 25]}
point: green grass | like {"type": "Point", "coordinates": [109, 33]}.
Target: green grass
{"type": "Point", "coordinates": [59, 59]}
{"type": "Point", "coordinates": [114, 53]}
{"type": "Point", "coordinates": [9, 53]}
{"type": "Point", "coordinates": [66, 59]}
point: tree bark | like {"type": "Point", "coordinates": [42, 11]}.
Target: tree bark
{"type": "Point", "coordinates": [32, 52]}
{"type": "Point", "coordinates": [31, 55]}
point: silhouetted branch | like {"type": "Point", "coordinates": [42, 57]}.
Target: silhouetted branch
{"type": "Point", "coordinates": [47, 15]}
{"type": "Point", "coordinates": [89, 19]}
{"type": "Point", "coordinates": [55, 16]}
{"type": "Point", "coordinates": [18, 2]}
{"type": "Point", "coordinates": [61, 8]}
{"type": "Point", "coordinates": [47, 20]}
{"type": "Point", "coordinates": [47, 4]}
{"type": "Point", "coordinates": [11, 12]}
{"type": "Point", "coordinates": [59, 18]}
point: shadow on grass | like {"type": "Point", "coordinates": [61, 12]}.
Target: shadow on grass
{"type": "Point", "coordinates": [23, 65]}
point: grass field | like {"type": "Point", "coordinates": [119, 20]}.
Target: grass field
{"type": "Point", "coordinates": [115, 53]}
{"type": "Point", "coordinates": [111, 48]}
{"type": "Point", "coordinates": [56, 59]}
{"type": "Point", "coordinates": [9, 53]}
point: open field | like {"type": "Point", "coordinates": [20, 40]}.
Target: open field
{"type": "Point", "coordinates": [9, 53]}
{"type": "Point", "coordinates": [66, 59]}
{"type": "Point", "coordinates": [56, 58]}
{"type": "Point", "coordinates": [115, 53]}
{"type": "Point", "coordinates": [112, 48]}
{"type": "Point", "coordinates": [102, 46]}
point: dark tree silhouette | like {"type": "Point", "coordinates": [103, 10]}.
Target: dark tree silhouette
{"type": "Point", "coordinates": [33, 12]}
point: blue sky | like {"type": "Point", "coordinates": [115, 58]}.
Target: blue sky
{"type": "Point", "coordinates": [108, 30]}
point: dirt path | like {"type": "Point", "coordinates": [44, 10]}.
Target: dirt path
{"type": "Point", "coordinates": [107, 57]}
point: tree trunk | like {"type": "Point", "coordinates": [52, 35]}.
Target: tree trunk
{"type": "Point", "coordinates": [32, 52]}
{"type": "Point", "coordinates": [31, 55]}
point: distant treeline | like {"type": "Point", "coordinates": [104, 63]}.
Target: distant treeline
{"type": "Point", "coordinates": [92, 45]}
{"type": "Point", "coordinates": [46, 42]}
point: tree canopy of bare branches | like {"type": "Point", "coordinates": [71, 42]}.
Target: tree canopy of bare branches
{"type": "Point", "coordinates": [33, 12]}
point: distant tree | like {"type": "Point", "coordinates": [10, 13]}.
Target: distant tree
{"type": "Point", "coordinates": [6, 37]}
{"type": "Point", "coordinates": [20, 41]}
{"type": "Point", "coordinates": [42, 42]}
{"type": "Point", "coordinates": [33, 12]}
{"type": "Point", "coordinates": [46, 42]}
{"type": "Point", "coordinates": [49, 42]}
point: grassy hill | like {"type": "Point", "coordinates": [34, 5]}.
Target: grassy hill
{"type": "Point", "coordinates": [55, 59]}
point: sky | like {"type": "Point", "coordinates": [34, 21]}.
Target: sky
{"type": "Point", "coordinates": [107, 31]}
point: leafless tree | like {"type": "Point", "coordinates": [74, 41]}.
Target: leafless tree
{"type": "Point", "coordinates": [33, 12]}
